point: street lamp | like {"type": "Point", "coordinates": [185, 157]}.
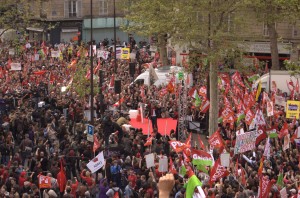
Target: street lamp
{"type": "Point", "coordinates": [92, 67]}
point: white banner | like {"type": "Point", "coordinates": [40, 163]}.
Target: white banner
{"type": "Point", "coordinates": [96, 163]}
{"type": "Point", "coordinates": [15, 67]}
{"type": "Point", "coordinates": [225, 159]}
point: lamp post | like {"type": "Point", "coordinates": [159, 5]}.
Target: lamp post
{"type": "Point", "coordinates": [115, 39]}
{"type": "Point", "coordinates": [92, 67]}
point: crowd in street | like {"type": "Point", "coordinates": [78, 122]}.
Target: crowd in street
{"type": "Point", "coordinates": [43, 133]}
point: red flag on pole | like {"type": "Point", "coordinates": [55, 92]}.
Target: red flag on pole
{"type": "Point", "coordinates": [96, 143]}
{"type": "Point", "coordinates": [201, 145]}
{"type": "Point", "coordinates": [172, 167]}
{"type": "Point", "coordinates": [61, 178]}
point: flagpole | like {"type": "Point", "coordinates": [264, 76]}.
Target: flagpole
{"type": "Point", "coordinates": [166, 128]}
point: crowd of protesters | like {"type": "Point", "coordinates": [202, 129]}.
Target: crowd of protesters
{"type": "Point", "coordinates": [43, 132]}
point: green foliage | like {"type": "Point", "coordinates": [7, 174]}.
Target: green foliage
{"type": "Point", "coordinates": [292, 67]}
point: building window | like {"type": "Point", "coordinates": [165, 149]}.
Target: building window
{"type": "Point", "coordinates": [265, 30]}
{"type": "Point", "coordinates": [230, 22]}
{"type": "Point", "coordinates": [103, 7]}
{"type": "Point", "coordinates": [72, 8]}
{"type": "Point", "coordinates": [295, 31]}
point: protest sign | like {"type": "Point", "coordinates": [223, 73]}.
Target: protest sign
{"type": "Point", "coordinates": [125, 53]}
{"type": "Point", "coordinates": [36, 57]}
{"type": "Point", "coordinates": [279, 100]}
{"type": "Point", "coordinates": [102, 54]}
{"type": "Point", "coordinates": [283, 193]}
{"type": "Point", "coordinates": [96, 163]}
{"type": "Point", "coordinates": [55, 54]}
{"type": "Point", "coordinates": [44, 181]}
{"type": "Point", "coordinates": [225, 159]}
{"type": "Point", "coordinates": [292, 109]}
{"type": "Point", "coordinates": [150, 160]}
{"type": "Point", "coordinates": [270, 110]}
{"type": "Point", "coordinates": [163, 164]}
{"type": "Point", "coordinates": [15, 66]}
{"type": "Point", "coordinates": [11, 51]}
{"type": "Point", "coordinates": [119, 52]}
{"type": "Point", "coordinates": [245, 142]}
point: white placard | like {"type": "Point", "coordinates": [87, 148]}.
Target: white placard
{"type": "Point", "coordinates": [102, 54]}
{"type": "Point", "coordinates": [28, 45]}
{"type": "Point", "coordinates": [283, 193]}
{"type": "Point", "coordinates": [150, 160]}
{"type": "Point", "coordinates": [15, 67]}
{"type": "Point", "coordinates": [163, 164]}
{"type": "Point", "coordinates": [96, 163]}
{"type": "Point", "coordinates": [225, 159]}
{"type": "Point", "coordinates": [36, 57]}
{"type": "Point", "coordinates": [119, 52]}
{"type": "Point", "coordinates": [55, 54]}
{"type": "Point", "coordinates": [11, 51]}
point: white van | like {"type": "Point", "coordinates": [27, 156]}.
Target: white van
{"type": "Point", "coordinates": [280, 77]}
{"type": "Point", "coordinates": [164, 74]}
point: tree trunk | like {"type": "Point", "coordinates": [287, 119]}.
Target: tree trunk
{"type": "Point", "coordinates": [273, 46]}
{"type": "Point", "coordinates": [162, 46]}
{"type": "Point", "coordinates": [214, 107]}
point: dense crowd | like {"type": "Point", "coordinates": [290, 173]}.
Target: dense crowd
{"type": "Point", "coordinates": [43, 133]}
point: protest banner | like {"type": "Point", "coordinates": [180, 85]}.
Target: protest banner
{"type": "Point", "coordinates": [270, 110]}
{"type": "Point", "coordinates": [292, 109]}
{"type": "Point", "coordinates": [150, 160]}
{"type": "Point", "coordinates": [15, 67]}
{"type": "Point", "coordinates": [118, 52]}
{"type": "Point", "coordinates": [163, 164]}
{"type": "Point", "coordinates": [279, 100]}
{"type": "Point", "coordinates": [245, 142]}
{"type": "Point", "coordinates": [102, 54]}
{"type": "Point", "coordinates": [96, 163]}
{"type": "Point", "coordinates": [44, 181]}
{"type": "Point", "coordinates": [55, 54]}
{"type": "Point", "coordinates": [125, 54]}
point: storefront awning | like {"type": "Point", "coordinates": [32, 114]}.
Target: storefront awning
{"type": "Point", "coordinates": [69, 30]}
{"type": "Point", "coordinates": [35, 29]}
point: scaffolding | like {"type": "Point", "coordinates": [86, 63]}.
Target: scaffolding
{"type": "Point", "coordinates": [182, 107]}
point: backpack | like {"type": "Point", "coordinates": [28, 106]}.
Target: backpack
{"type": "Point", "coordinates": [117, 193]}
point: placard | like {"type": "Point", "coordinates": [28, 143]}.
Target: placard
{"type": "Point", "coordinates": [292, 109]}
{"type": "Point", "coordinates": [286, 142]}
{"type": "Point", "coordinates": [279, 100]}
{"type": "Point", "coordinates": [102, 54]}
{"type": "Point", "coordinates": [150, 160]}
{"type": "Point", "coordinates": [245, 142]}
{"type": "Point", "coordinates": [163, 164]}
{"type": "Point", "coordinates": [225, 159]}
{"type": "Point", "coordinates": [283, 193]}
{"type": "Point", "coordinates": [125, 53]}
{"type": "Point", "coordinates": [55, 54]}
{"type": "Point", "coordinates": [90, 133]}
{"type": "Point", "coordinates": [36, 57]}
{"type": "Point", "coordinates": [15, 67]}
{"type": "Point", "coordinates": [11, 51]}
{"type": "Point", "coordinates": [96, 163]}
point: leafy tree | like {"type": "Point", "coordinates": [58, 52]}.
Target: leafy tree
{"type": "Point", "coordinates": [202, 26]}
{"type": "Point", "coordinates": [271, 12]}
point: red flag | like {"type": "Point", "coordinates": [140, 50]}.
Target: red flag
{"type": "Point", "coordinates": [260, 135]}
{"type": "Point", "coordinates": [96, 143]}
{"type": "Point", "coordinates": [201, 143]}
{"type": "Point", "coordinates": [249, 116]}
{"type": "Point", "coordinates": [149, 141]}
{"type": "Point", "coordinates": [284, 130]}
{"type": "Point", "coordinates": [1, 73]}
{"type": "Point", "coordinates": [177, 146]}
{"type": "Point", "coordinates": [237, 168]}
{"type": "Point", "coordinates": [172, 167]}
{"type": "Point", "coordinates": [41, 72]}
{"type": "Point", "coordinates": [297, 86]}
{"type": "Point", "coordinates": [112, 81]}
{"type": "Point", "coordinates": [205, 106]}
{"type": "Point", "coordinates": [236, 77]}
{"type": "Point", "coordinates": [8, 66]}
{"type": "Point", "coordinates": [217, 172]}
{"type": "Point", "coordinates": [188, 141]}
{"type": "Point", "coordinates": [44, 181]}
{"type": "Point", "coordinates": [265, 186]}
{"type": "Point", "coordinates": [170, 87]}
{"type": "Point", "coordinates": [96, 69]}
{"type": "Point", "coordinates": [215, 141]}
{"type": "Point", "coordinates": [61, 178]}
{"type": "Point", "coordinates": [261, 166]}
{"type": "Point", "coordinates": [119, 102]}
{"type": "Point", "coordinates": [203, 92]}
{"type": "Point", "coordinates": [243, 177]}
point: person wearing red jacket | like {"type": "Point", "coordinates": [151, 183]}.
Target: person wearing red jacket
{"type": "Point", "coordinates": [86, 176]}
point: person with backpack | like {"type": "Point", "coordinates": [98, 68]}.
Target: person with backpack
{"type": "Point", "coordinates": [114, 191]}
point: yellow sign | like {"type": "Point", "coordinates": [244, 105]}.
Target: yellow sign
{"type": "Point", "coordinates": [292, 109]}
{"type": "Point", "coordinates": [125, 53]}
